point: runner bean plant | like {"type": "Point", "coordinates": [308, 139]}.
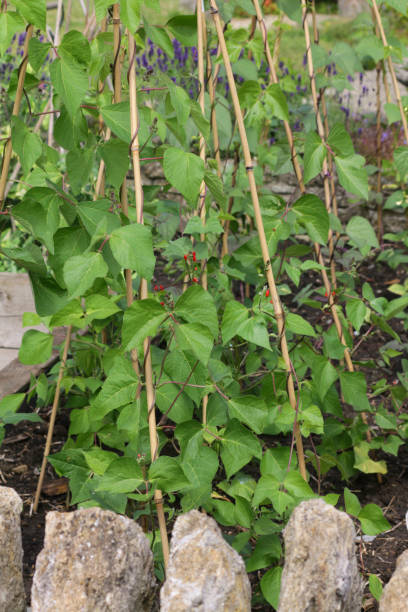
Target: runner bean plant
{"type": "Point", "coordinates": [213, 326]}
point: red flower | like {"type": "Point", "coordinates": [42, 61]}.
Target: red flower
{"type": "Point", "coordinates": [194, 256]}
{"type": "Point", "coordinates": [161, 303]}
{"type": "Point", "coordinates": [267, 293]}
{"type": "Point", "coordinates": [185, 257]}
{"type": "Point", "coordinates": [333, 293]}
{"type": "Point", "coordinates": [161, 287]}
{"type": "Point", "coordinates": [195, 280]}
{"type": "Point", "coordinates": [155, 288]}
{"type": "Point", "coordinates": [326, 294]}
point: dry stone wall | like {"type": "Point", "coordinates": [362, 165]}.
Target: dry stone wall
{"type": "Point", "coordinates": [94, 560]}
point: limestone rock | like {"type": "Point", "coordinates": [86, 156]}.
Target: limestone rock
{"type": "Point", "coordinates": [204, 573]}
{"type": "Point", "coordinates": [395, 594]}
{"type": "Point", "coordinates": [320, 572]}
{"type": "Point", "coordinates": [12, 596]}
{"type": "Point", "coordinates": [351, 8]}
{"type": "Point", "coordinates": [93, 560]}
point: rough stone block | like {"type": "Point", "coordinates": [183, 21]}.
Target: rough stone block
{"type": "Point", "coordinates": [204, 573]}
{"type": "Point", "coordinates": [320, 572]}
{"type": "Point", "coordinates": [395, 594]}
{"type": "Point", "coordinates": [12, 596]}
{"type": "Point", "coordinates": [93, 560]}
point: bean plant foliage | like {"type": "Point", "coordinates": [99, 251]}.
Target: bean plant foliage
{"type": "Point", "coordinates": [224, 418]}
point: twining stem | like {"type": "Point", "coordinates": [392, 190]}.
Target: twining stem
{"type": "Point", "coordinates": [378, 153]}
{"type": "Point", "coordinates": [391, 69]}
{"type": "Point", "coordinates": [52, 417]}
{"type": "Point", "coordinates": [201, 82]}
{"type": "Point", "coordinates": [36, 129]}
{"type": "Point", "coordinates": [277, 306]}
{"type": "Point", "coordinates": [323, 105]}
{"type": "Point", "coordinates": [299, 176]}
{"type": "Point", "coordinates": [134, 147]}
{"type": "Point", "coordinates": [224, 250]}
{"type": "Point", "coordinates": [273, 77]}
{"type": "Point", "coordinates": [319, 123]}
{"type": "Point", "coordinates": [16, 109]}
{"type": "Point", "coordinates": [211, 93]}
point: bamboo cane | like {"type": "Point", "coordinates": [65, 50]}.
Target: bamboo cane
{"type": "Point", "coordinates": [52, 418]}
{"type": "Point", "coordinates": [16, 109]}
{"type": "Point", "coordinates": [326, 133]}
{"type": "Point", "coordinates": [277, 306]}
{"type": "Point", "coordinates": [201, 198]}
{"type": "Point", "coordinates": [391, 69]}
{"type": "Point", "coordinates": [154, 448]}
{"type": "Point", "coordinates": [50, 138]}
{"type": "Point", "coordinates": [319, 124]}
{"type": "Point", "coordinates": [298, 173]}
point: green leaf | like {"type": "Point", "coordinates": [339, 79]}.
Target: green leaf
{"type": "Point", "coordinates": [99, 460]}
{"type": "Point", "coordinates": [10, 24]}
{"type": "Point", "coordinates": [48, 295]}
{"type": "Point", "coordinates": [312, 214]}
{"type": "Point", "coordinates": [324, 375]}
{"type": "Point", "coordinates": [130, 14]}
{"type": "Point", "coordinates": [197, 306]}
{"type": "Point", "coordinates": [392, 112]}
{"type": "Point", "coordinates": [101, 8]}
{"type": "Point", "coordinates": [160, 37]}
{"type": "Point", "coordinates": [293, 10]}
{"type": "Point", "coordinates": [184, 28]}
{"type": "Point", "coordinates": [99, 307]}
{"type": "Point", "coordinates": [36, 347]}
{"type": "Point", "coordinates": [298, 325]}
{"type": "Point", "coordinates": [185, 171]}
{"type": "Point", "coordinates": [238, 446]}
{"type": "Point", "coordinates": [275, 101]}
{"type": "Point", "coordinates": [235, 314]}
{"type": "Point", "coordinates": [372, 46]}
{"type": "Point", "coordinates": [395, 307]}
{"type": "Point", "coordinates": [132, 247]}
{"type": "Point", "coordinates": [372, 520]}
{"type": "Point", "coordinates": [141, 320]}
{"type": "Point", "coordinates": [298, 487]}
{"type": "Point", "coordinates": [199, 463]}
{"type": "Point", "coordinates": [340, 141]}
{"type": "Point", "coordinates": [401, 161]}
{"type": "Point", "coordinates": [201, 122]}
{"type": "Point", "coordinates": [195, 225]}
{"type": "Point", "coordinates": [346, 58]}
{"type": "Point", "coordinates": [70, 314]}
{"type": "Point", "coordinates": [26, 144]}
{"type": "Point", "coordinates": [41, 219]}
{"type": "Point", "coordinates": [74, 46]}
{"type": "Point", "coordinates": [80, 272]}
{"type": "Point", "coordinates": [267, 550]}
{"type": "Point", "coordinates": [33, 11]}
{"type": "Point", "coordinates": [249, 409]}
{"type": "Point", "coordinates": [315, 153]}
{"type": "Point", "coordinates": [79, 167]}
{"type": "Point", "coordinates": [364, 463]}
{"type": "Point", "coordinates": [351, 502]}
{"type": "Point", "coordinates": [249, 93]}
{"type": "Point", "coordinates": [119, 389]}
{"type": "Point", "coordinates": [167, 474]}
{"type": "Point", "coordinates": [353, 175]}
{"type": "Point", "coordinates": [270, 586]}
{"type": "Point", "coordinates": [255, 330]}
{"type": "Point", "coordinates": [362, 234]}
{"type": "Point", "coordinates": [70, 82]}
{"type": "Point", "coordinates": [354, 390]}
{"type": "Point", "coordinates": [311, 421]}
{"type": "Point", "coordinates": [37, 51]}
{"type": "Point", "coordinates": [115, 154]}
{"type": "Point", "coordinates": [11, 403]}
{"type": "Point", "coordinates": [180, 102]}
{"type": "Point", "coordinates": [214, 184]}
{"type": "Point", "coordinates": [356, 312]}
{"type": "Point", "coordinates": [376, 587]}
{"type": "Point", "coordinates": [29, 257]}
{"type": "Point", "coordinates": [399, 5]}
{"type": "Point", "coordinates": [196, 338]}
{"type": "Point", "coordinates": [117, 117]}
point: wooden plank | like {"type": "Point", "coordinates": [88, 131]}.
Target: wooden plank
{"type": "Point", "coordinates": [16, 296]}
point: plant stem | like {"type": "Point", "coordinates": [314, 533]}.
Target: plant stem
{"type": "Point", "coordinates": [16, 109]}
{"type": "Point", "coordinates": [261, 233]}
{"type": "Point", "coordinates": [391, 69]}
{"type": "Point", "coordinates": [52, 418]}
{"type": "Point", "coordinates": [134, 147]}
